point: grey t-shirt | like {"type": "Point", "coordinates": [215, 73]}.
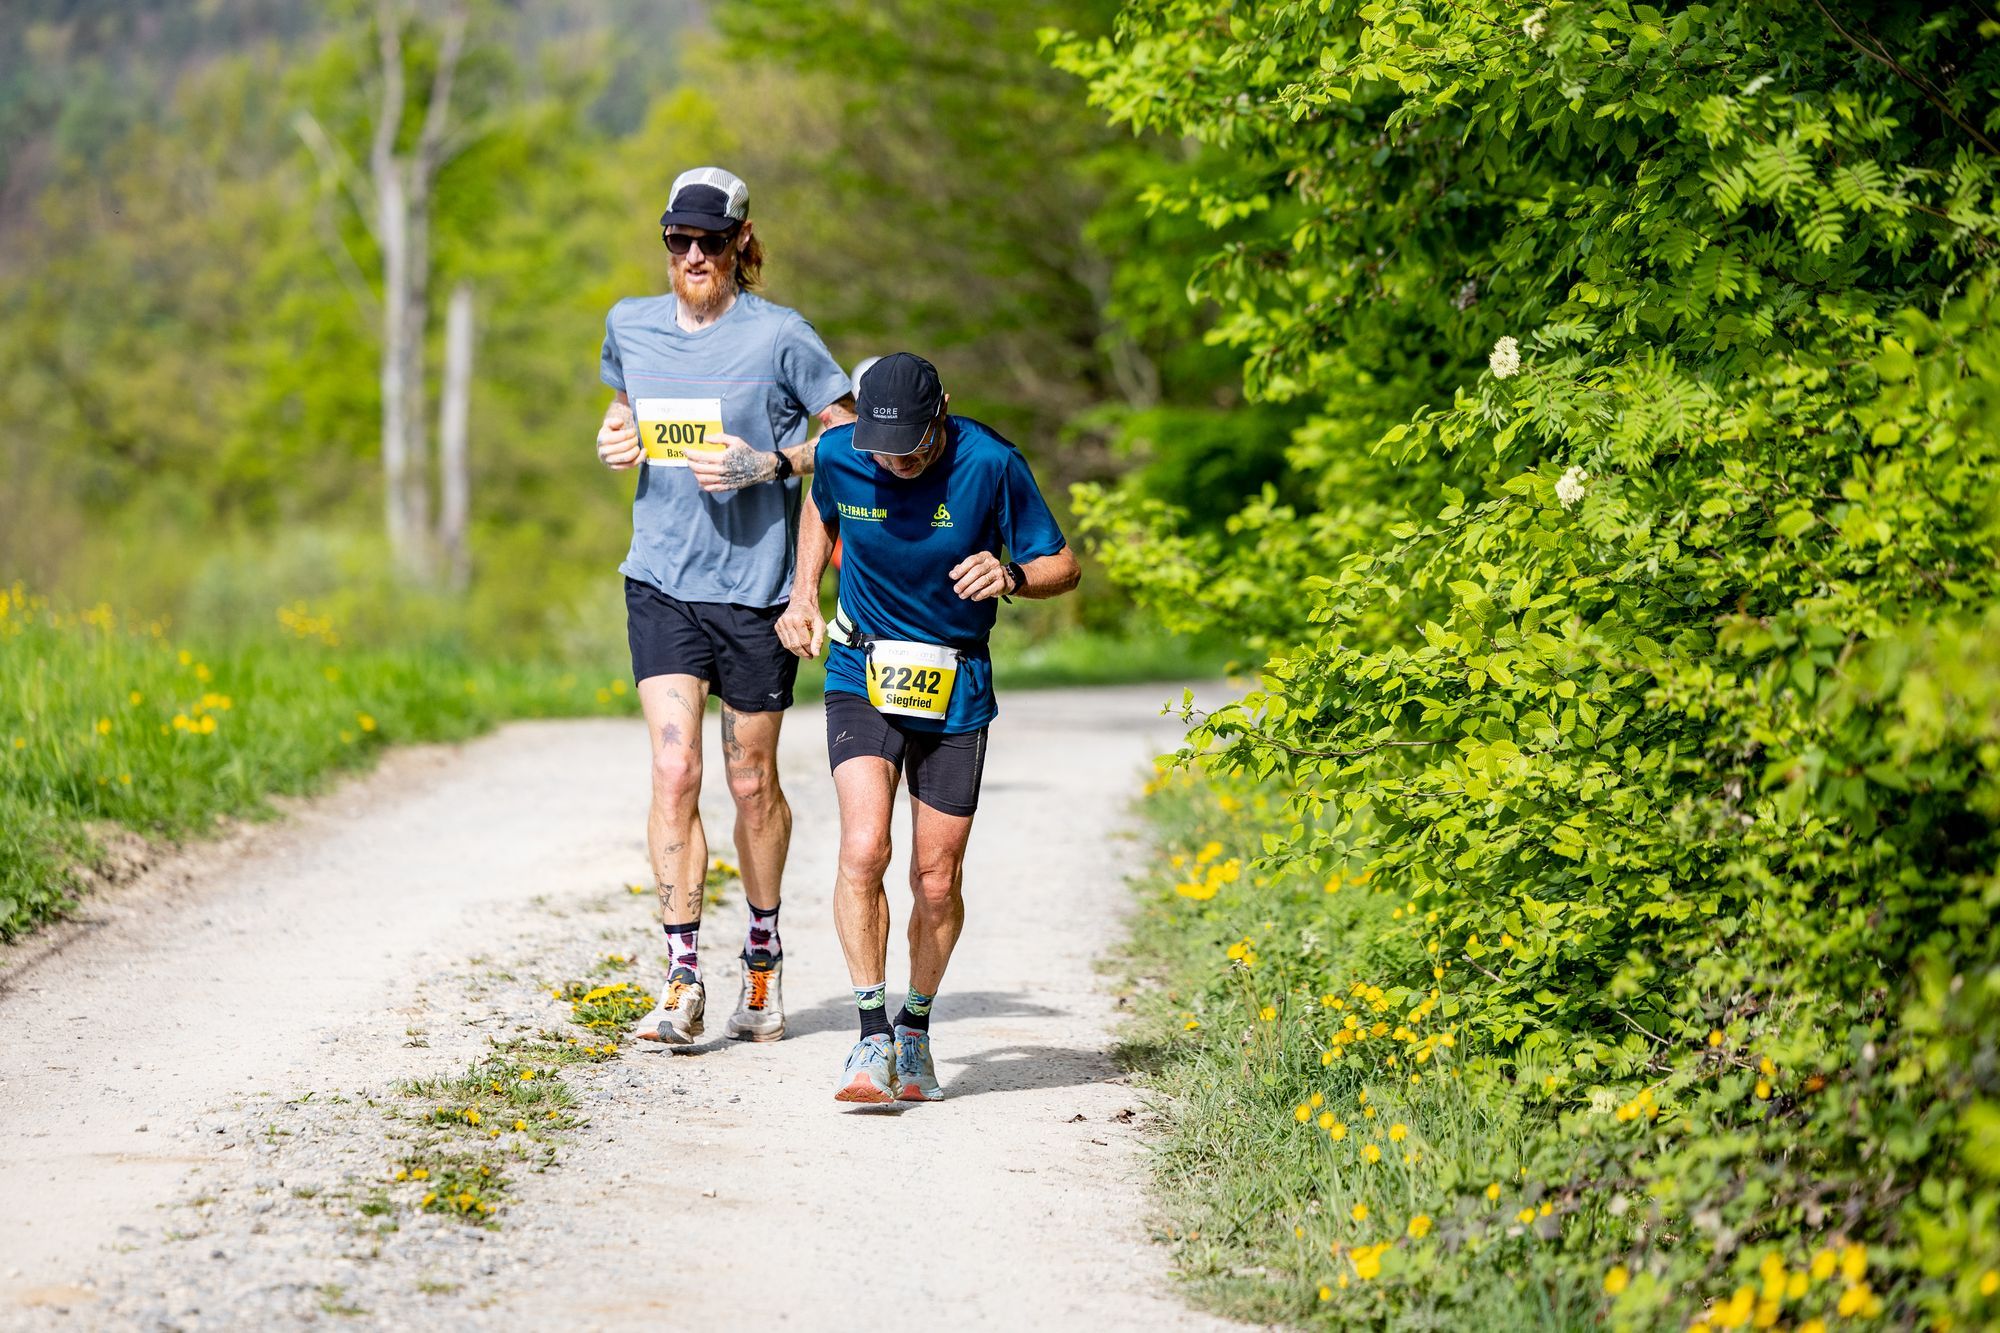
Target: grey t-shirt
{"type": "Point", "coordinates": [772, 374]}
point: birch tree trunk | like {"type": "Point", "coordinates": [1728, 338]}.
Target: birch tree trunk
{"type": "Point", "coordinates": [402, 224]}
{"type": "Point", "coordinates": [454, 425]}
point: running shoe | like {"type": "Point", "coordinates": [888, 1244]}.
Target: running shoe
{"type": "Point", "coordinates": [869, 1076]}
{"type": "Point", "coordinates": [676, 1019]}
{"type": "Point", "coordinates": [915, 1076]}
{"type": "Point", "coordinates": [760, 1004]}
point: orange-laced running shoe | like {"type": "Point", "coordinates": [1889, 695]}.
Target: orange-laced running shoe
{"type": "Point", "coordinates": [676, 1019]}
{"type": "Point", "coordinates": [760, 1003]}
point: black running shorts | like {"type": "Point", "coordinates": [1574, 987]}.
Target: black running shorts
{"type": "Point", "coordinates": [734, 648]}
{"type": "Point", "coordinates": [944, 770]}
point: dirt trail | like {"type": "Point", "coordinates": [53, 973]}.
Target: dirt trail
{"type": "Point", "coordinates": [191, 1099]}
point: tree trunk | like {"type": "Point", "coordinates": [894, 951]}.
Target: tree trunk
{"type": "Point", "coordinates": [392, 235]}
{"type": "Point", "coordinates": [454, 423]}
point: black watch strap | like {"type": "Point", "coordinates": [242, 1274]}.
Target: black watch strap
{"type": "Point", "coordinates": [1017, 574]}
{"type": "Point", "coordinates": [784, 465]}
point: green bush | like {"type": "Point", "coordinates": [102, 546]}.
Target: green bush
{"type": "Point", "coordinates": [1640, 631]}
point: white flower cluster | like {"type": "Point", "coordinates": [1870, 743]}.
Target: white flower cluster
{"type": "Point", "coordinates": [1505, 359]}
{"type": "Point", "coordinates": [1569, 486]}
{"type": "Point", "coordinates": [1532, 27]}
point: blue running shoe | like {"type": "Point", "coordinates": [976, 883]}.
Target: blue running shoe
{"type": "Point", "coordinates": [868, 1077]}
{"type": "Point", "coordinates": [914, 1072]}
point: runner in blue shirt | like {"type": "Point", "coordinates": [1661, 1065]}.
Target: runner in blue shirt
{"type": "Point", "coordinates": [715, 389]}
{"type": "Point", "coordinates": [925, 504]}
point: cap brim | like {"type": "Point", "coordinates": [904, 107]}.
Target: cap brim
{"type": "Point", "coordinates": [706, 221]}
{"type": "Point", "coordinates": [876, 437]}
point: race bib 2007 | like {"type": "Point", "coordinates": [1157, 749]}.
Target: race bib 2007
{"type": "Point", "coordinates": [911, 679]}
{"type": "Point", "coordinates": [672, 427]}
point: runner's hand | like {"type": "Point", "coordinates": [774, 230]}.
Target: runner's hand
{"type": "Point", "coordinates": [980, 577]}
{"type": "Point", "coordinates": [618, 444]}
{"type": "Point", "coordinates": [802, 629]}
{"type": "Point", "coordinates": [733, 467]}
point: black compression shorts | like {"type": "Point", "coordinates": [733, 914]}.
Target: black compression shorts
{"type": "Point", "coordinates": [944, 769]}
{"type": "Point", "coordinates": [734, 648]}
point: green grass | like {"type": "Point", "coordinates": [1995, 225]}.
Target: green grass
{"type": "Point", "coordinates": [1239, 987]}
{"type": "Point", "coordinates": [106, 723]}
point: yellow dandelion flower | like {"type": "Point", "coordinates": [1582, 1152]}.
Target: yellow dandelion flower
{"type": "Point", "coordinates": [1763, 1089]}
{"type": "Point", "coordinates": [1525, 1216]}
{"type": "Point", "coordinates": [104, 726]}
{"type": "Point", "coordinates": [1370, 1153]}
{"type": "Point", "coordinates": [520, 1125]}
{"type": "Point", "coordinates": [1359, 1212]}
{"type": "Point", "coordinates": [1420, 1226]}
{"type": "Point", "coordinates": [1493, 1192]}
{"type": "Point", "coordinates": [1302, 1113]}
{"type": "Point", "coordinates": [364, 721]}
{"type": "Point", "coordinates": [1325, 1292]}
{"type": "Point", "coordinates": [1813, 1326]}
{"type": "Point", "coordinates": [1715, 1037]}
{"type": "Point", "coordinates": [1336, 1131]}
{"type": "Point", "coordinates": [1823, 1265]}
{"type": "Point", "coordinates": [1989, 1282]}
{"type": "Point", "coordinates": [1326, 1120]}
{"type": "Point", "coordinates": [1853, 1262]}
{"type": "Point", "coordinates": [1398, 1132]}
{"type": "Point", "coordinates": [1318, 1099]}
{"type": "Point", "coordinates": [1619, 1278]}
{"type": "Point", "coordinates": [1190, 1025]}
{"type": "Point", "coordinates": [1267, 1013]}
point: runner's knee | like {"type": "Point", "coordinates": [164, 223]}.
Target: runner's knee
{"type": "Point", "coordinates": [755, 788]}
{"type": "Point", "coordinates": [863, 862]}
{"type": "Point", "coordinates": [935, 886]}
{"type": "Point", "coordinates": [676, 774]}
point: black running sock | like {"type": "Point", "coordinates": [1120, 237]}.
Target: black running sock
{"type": "Point", "coordinates": [763, 936]}
{"type": "Point", "coordinates": [916, 1011]}
{"type": "Point", "coordinates": [874, 1004]}
{"type": "Point", "coordinates": [683, 942]}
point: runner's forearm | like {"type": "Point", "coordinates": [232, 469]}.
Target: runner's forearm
{"type": "Point", "coordinates": [836, 413]}
{"type": "Point", "coordinates": [814, 553]}
{"type": "Point", "coordinates": [1049, 575]}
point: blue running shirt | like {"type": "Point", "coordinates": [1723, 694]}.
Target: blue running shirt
{"type": "Point", "coordinates": [900, 540]}
{"type": "Point", "coordinates": [771, 373]}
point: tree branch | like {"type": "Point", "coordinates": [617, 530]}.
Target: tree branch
{"type": "Point", "coordinates": [437, 115]}
{"type": "Point", "coordinates": [337, 166]}
{"type": "Point", "coordinates": [1921, 85]}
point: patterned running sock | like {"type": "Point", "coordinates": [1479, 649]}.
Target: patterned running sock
{"type": "Point", "coordinates": [763, 936]}
{"type": "Point", "coordinates": [916, 1011]}
{"type": "Point", "coordinates": [683, 942]}
{"type": "Point", "coordinates": [874, 1004]}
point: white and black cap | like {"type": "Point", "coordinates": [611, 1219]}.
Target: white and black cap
{"type": "Point", "coordinates": [900, 395]}
{"type": "Point", "coordinates": [707, 197]}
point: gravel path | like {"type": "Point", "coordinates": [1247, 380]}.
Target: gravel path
{"type": "Point", "coordinates": [202, 1104]}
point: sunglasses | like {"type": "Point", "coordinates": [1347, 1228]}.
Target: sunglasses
{"type": "Point", "coordinates": [712, 243]}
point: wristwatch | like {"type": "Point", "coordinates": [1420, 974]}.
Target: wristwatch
{"type": "Point", "coordinates": [784, 465]}
{"type": "Point", "coordinates": [1014, 573]}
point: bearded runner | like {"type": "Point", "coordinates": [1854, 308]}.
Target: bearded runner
{"type": "Point", "coordinates": [715, 391]}
{"type": "Point", "coordinates": [939, 519]}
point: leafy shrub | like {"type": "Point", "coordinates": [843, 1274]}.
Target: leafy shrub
{"type": "Point", "coordinates": [1640, 633]}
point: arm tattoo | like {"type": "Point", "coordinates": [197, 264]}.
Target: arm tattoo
{"type": "Point", "coordinates": [744, 466]}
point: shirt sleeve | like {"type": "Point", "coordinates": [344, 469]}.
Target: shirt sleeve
{"type": "Point", "coordinates": [822, 482]}
{"type": "Point", "coordinates": [1027, 526]}
{"type": "Point", "coordinates": [806, 369]}
{"type": "Point", "coordinates": [610, 363]}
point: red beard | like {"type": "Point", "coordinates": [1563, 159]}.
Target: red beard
{"type": "Point", "coordinates": [708, 298]}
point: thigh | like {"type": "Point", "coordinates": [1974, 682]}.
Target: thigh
{"type": "Point", "coordinates": [665, 634]}
{"type": "Point", "coordinates": [937, 839]}
{"type": "Point", "coordinates": [672, 705]}
{"type": "Point", "coordinates": [945, 772]}
{"type": "Point", "coordinates": [754, 673]}
{"type": "Point", "coordinates": [854, 730]}
{"type": "Point", "coordinates": [750, 740]}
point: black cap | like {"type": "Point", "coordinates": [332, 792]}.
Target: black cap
{"type": "Point", "coordinates": [900, 395]}
{"type": "Point", "coordinates": [707, 197]}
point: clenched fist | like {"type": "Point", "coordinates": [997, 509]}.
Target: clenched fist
{"type": "Point", "coordinates": [618, 444]}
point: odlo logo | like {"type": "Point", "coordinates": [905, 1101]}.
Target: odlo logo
{"type": "Point", "coordinates": [942, 518]}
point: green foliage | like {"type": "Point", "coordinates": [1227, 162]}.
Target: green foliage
{"type": "Point", "coordinates": [105, 723]}
{"type": "Point", "coordinates": [1639, 612]}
